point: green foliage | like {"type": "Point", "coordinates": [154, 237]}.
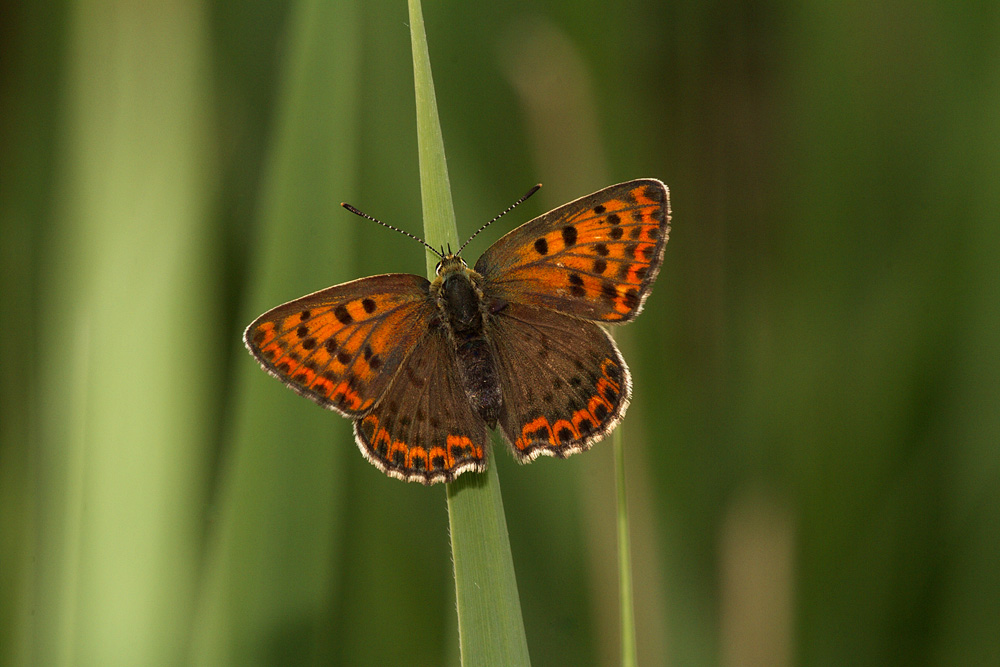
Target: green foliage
{"type": "Point", "coordinates": [812, 446]}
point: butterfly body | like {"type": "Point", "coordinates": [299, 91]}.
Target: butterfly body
{"type": "Point", "coordinates": [426, 368]}
{"type": "Point", "coordinates": [457, 291]}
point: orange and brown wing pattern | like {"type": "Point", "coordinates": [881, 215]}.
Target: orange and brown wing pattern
{"type": "Point", "coordinates": [595, 258]}
{"type": "Point", "coordinates": [424, 428]}
{"type": "Point", "coordinates": [564, 383]}
{"type": "Point", "coordinates": [341, 346]}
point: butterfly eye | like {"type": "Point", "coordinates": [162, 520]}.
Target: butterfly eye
{"type": "Point", "coordinates": [437, 269]}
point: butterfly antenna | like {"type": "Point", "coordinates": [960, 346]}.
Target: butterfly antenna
{"type": "Point", "coordinates": [395, 229]}
{"type": "Point", "coordinates": [510, 208]}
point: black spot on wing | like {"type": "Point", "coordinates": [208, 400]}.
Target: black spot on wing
{"type": "Point", "coordinates": [340, 312]}
{"type": "Point", "coordinates": [569, 235]}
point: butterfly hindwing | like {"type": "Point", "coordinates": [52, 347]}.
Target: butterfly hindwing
{"type": "Point", "coordinates": [341, 346]}
{"type": "Point", "coordinates": [594, 258]}
{"type": "Point", "coordinates": [424, 428]}
{"type": "Point", "coordinates": [564, 382]}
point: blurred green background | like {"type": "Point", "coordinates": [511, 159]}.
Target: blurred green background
{"type": "Point", "coordinates": [813, 459]}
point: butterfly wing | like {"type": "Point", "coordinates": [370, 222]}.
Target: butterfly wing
{"type": "Point", "coordinates": [341, 346]}
{"type": "Point", "coordinates": [595, 258]}
{"type": "Point", "coordinates": [424, 429]}
{"type": "Point", "coordinates": [564, 382]}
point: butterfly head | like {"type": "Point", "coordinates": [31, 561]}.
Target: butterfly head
{"type": "Point", "coordinates": [450, 263]}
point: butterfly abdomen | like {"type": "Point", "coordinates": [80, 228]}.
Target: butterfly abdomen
{"type": "Point", "coordinates": [461, 304]}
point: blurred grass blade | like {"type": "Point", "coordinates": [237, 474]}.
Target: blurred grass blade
{"type": "Point", "coordinates": [127, 410]}
{"type": "Point", "coordinates": [272, 558]}
{"type": "Point", "coordinates": [629, 658]}
{"type": "Point", "coordinates": [554, 82]}
{"type": "Point", "coordinates": [491, 631]}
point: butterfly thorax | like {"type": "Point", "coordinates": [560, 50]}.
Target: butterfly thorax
{"type": "Point", "coordinates": [460, 300]}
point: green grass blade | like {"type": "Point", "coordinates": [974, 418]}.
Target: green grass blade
{"type": "Point", "coordinates": [491, 631]}
{"type": "Point", "coordinates": [435, 188]}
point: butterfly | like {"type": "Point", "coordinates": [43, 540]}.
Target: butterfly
{"type": "Point", "coordinates": [425, 368]}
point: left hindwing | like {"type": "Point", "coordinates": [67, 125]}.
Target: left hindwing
{"type": "Point", "coordinates": [595, 258]}
{"type": "Point", "coordinates": [424, 429]}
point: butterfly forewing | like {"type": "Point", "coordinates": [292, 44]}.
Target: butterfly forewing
{"type": "Point", "coordinates": [565, 385]}
{"type": "Point", "coordinates": [341, 346]}
{"type": "Point", "coordinates": [594, 258]}
{"type": "Point", "coordinates": [424, 428]}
